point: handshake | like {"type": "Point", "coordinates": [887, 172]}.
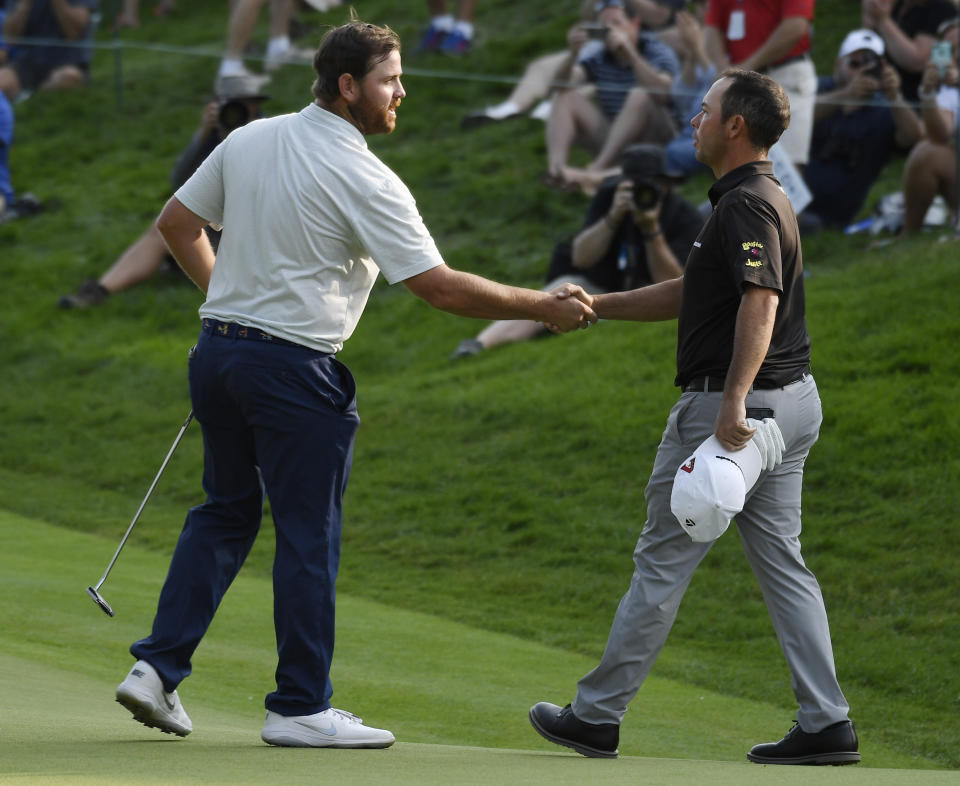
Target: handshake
{"type": "Point", "coordinates": [569, 309]}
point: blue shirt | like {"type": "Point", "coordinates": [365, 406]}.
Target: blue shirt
{"type": "Point", "coordinates": [6, 138]}
{"type": "Point", "coordinates": [848, 152]}
{"type": "Point", "coordinates": [614, 80]}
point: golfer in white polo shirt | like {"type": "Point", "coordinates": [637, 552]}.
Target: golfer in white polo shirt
{"type": "Point", "coordinates": [309, 217]}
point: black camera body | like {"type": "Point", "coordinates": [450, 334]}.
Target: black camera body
{"type": "Point", "coordinates": [233, 114]}
{"type": "Point", "coordinates": [646, 194]}
{"type": "Point", "coordinates": [874, 65]}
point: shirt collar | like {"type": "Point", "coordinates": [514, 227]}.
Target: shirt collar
{"type": "Point", "coordinates": [332, 121]}
{"type": "Point", "coordinates": [735, 177]}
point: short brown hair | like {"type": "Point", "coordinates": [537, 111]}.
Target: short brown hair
{"type": "Point", "coordinates": [761, 102]}
{"type": "Point", "coordinates": [353, 48]}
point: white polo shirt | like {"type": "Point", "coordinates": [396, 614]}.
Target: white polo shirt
{"type": "Point", "coordinates": [309, 215]}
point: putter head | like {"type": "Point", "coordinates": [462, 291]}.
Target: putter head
{"type": "Point", "coordinates": [100, 601]}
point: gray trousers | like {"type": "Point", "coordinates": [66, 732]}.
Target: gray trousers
{"type": "Point", "coordinates": [666, 558]}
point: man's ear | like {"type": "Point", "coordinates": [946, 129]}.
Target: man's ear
{"type": "Point", "coordinates": [735, 126]}
{"type": "Point", "coordinates": [349, 87]}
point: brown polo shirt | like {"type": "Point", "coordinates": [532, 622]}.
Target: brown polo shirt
{"type": "Point", "coordinates": [751, 238]}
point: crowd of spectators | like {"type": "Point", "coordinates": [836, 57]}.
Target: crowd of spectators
{"type": "Point", "coordinates": [631, 72]}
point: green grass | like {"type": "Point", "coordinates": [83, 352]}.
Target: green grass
{"type": "Point", "coordinates": [455, 696]}
{"type": "Point", "coordinates": [503, 493]}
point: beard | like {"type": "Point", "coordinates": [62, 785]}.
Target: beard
{"type": "Point", "coordinates": [373, 117]}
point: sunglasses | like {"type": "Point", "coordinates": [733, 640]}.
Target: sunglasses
{"type": "Point", "coordinates": [860, 62]}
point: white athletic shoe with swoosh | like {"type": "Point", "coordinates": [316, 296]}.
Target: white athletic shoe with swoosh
{"type": "Point", "coordinates": [142, 693]}
{"type": "Point", "coordinates": [331, 728]}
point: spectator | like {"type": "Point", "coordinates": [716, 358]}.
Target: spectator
{"type": "Point", "coordinates": [47, 66]}
{"type": "Point", "coordinates": [237, 103]}
{"type": "Point", "coordinates": [689, 87]}
{"type": "Point", "coordinates": [6, 139]}
{"type": "Point", "coordinates": [931, 166]}
{"type": "Point", "coordinates": [240, 29]}
{"type": "Point", "coordinates": [772, 37]}
{"type": "Point", "coordinates": [636, 232]}
{"type": "Point", "coordinates": [860, 119]}
{"type": "Point", "coordinates": [539, 79]}
{"type": "Point", "coordinates": [633, 75]}
{"type": "Point", "coordinates": [452, 36]}
{"type": "Point", "coordinates": [908, 28]}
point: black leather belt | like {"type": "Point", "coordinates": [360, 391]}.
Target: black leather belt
{"type": "Point", "coordinates": [715, 384]}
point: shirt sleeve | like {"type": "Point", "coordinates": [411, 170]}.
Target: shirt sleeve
{"type": "Point", "coordinates": [659, 55]}
{"type": "Point", "coordinates": [203, 193]}
{"type": "Point", "coordinates": [750, 242]}
{"type": "Point", "coordinates": [394, 234]}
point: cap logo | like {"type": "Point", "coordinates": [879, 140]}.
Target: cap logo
{"type": "Point", "coordinates": [688, 467]}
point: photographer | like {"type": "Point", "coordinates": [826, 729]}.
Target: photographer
{"type": "Point", "coordinates": [237, 103]}
{"type": "Point", "coordinates": [931, 168]}
{"type": "Point", "coordinates": [636, 232]}
{"type": "Point", "coordinates": [860, 120]}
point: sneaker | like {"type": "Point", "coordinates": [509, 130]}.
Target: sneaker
{"type": "Point", "coordinates": [291, 55]}
{"type": "Point", "coordinates": [836, 744]}
{"type": "Point", "coordinates": [467, 348]}
{"type": "Point", "coordinates": [432, 40]}
{"type": "Point", "coordinates": [331, 728]}
{"type": "Point", "coordinates": [490, 114]}
{"type": "Point", "coordinates": [456, 43]}
{"type": "Point", "coordinates": [560, 725]}
{"type": "Point", "coordinates": [142, 693]}
{"type": "Point", "coordinates": [89, 293]}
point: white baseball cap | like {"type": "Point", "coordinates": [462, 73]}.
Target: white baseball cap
{"type": "Point", "coordinates": [711, 486]}
{"type": "Point", "coordinates": [861, 39]}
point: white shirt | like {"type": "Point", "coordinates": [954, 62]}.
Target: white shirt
{"type": "Point", "coordinates": [309, 216]}
{"type": "Point", "coordinates": [948, 99]}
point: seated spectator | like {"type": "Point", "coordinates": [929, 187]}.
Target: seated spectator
{"type": "Point", "coordinates": [539, 78]}
{"type": "Point", "coordinates": [47, 66]}
{"type": "Point", "coordinates": [636, 232]}
{"type": "Point", "coordinates": [690, 86]}
{"type": "Point", "coordinates": [242, 24]}
{"type": "Point", "coordinates": [238, 102]}
{"type": "Point", "coordinates": [452, 36]}
{"type": "Point", "coordinates": [908, 28]}
{"type": "Point", "coordinates": [633, 76]}
{"type": "Point", "coordinates": [931, 166]}
{"type": "Point", "coordinates": [860, 119]}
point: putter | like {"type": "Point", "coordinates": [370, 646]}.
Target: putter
{"type": "Point", "coordinates": [94, 592]}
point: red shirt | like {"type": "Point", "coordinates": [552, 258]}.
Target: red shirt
{"type": "Point", "coordinates": [746, 24]}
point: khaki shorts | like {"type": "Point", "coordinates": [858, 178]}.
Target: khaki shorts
{"type": "Point", "coordinates": [799, 80]}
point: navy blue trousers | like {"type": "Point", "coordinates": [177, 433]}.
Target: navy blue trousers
{"type": "Point", "coordinates": [282, 419]}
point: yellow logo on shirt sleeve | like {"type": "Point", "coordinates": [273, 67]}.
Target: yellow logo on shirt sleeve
{"type": "Point", "coordinates": [753, 247]}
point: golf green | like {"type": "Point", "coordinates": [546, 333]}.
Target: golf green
{"type": "Point", "coordinates": [455, 697]}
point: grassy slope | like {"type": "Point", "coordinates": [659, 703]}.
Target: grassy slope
{"type": "Point", "coordinates": [504, 492]}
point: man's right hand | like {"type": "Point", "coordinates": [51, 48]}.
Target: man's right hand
{"type": "Point", "coordinates": [572, 305]}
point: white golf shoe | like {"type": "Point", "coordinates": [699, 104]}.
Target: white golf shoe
{"type": "Point", "coordinates": [142, 693]}
{"type": "Point", "coordinates": [331, 728]}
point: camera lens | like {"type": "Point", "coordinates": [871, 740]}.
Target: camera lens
{"type": "Point", "coordinates": [646, 195]}
{"type": "Point", "coordinates": [234, 114]}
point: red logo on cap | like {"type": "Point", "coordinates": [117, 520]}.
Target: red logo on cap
{"type": "Point", "coordinates": [689, 467]}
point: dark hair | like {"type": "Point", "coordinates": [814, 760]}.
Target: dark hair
{"type": "Point", "coordinates": [761, 102]}
{"type": "Point", "coordinates": [353, 48]}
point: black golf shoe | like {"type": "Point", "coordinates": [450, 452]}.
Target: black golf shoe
{"type": "Point", "coordinates": [560, 725]}
{"type": "Point", "coordinates": [836, 744]}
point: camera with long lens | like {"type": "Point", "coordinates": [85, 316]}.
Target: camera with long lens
{"type": "Point", "coordinates": [233, 114]}
{"type": "Point", "coordinates": [641, 164]}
